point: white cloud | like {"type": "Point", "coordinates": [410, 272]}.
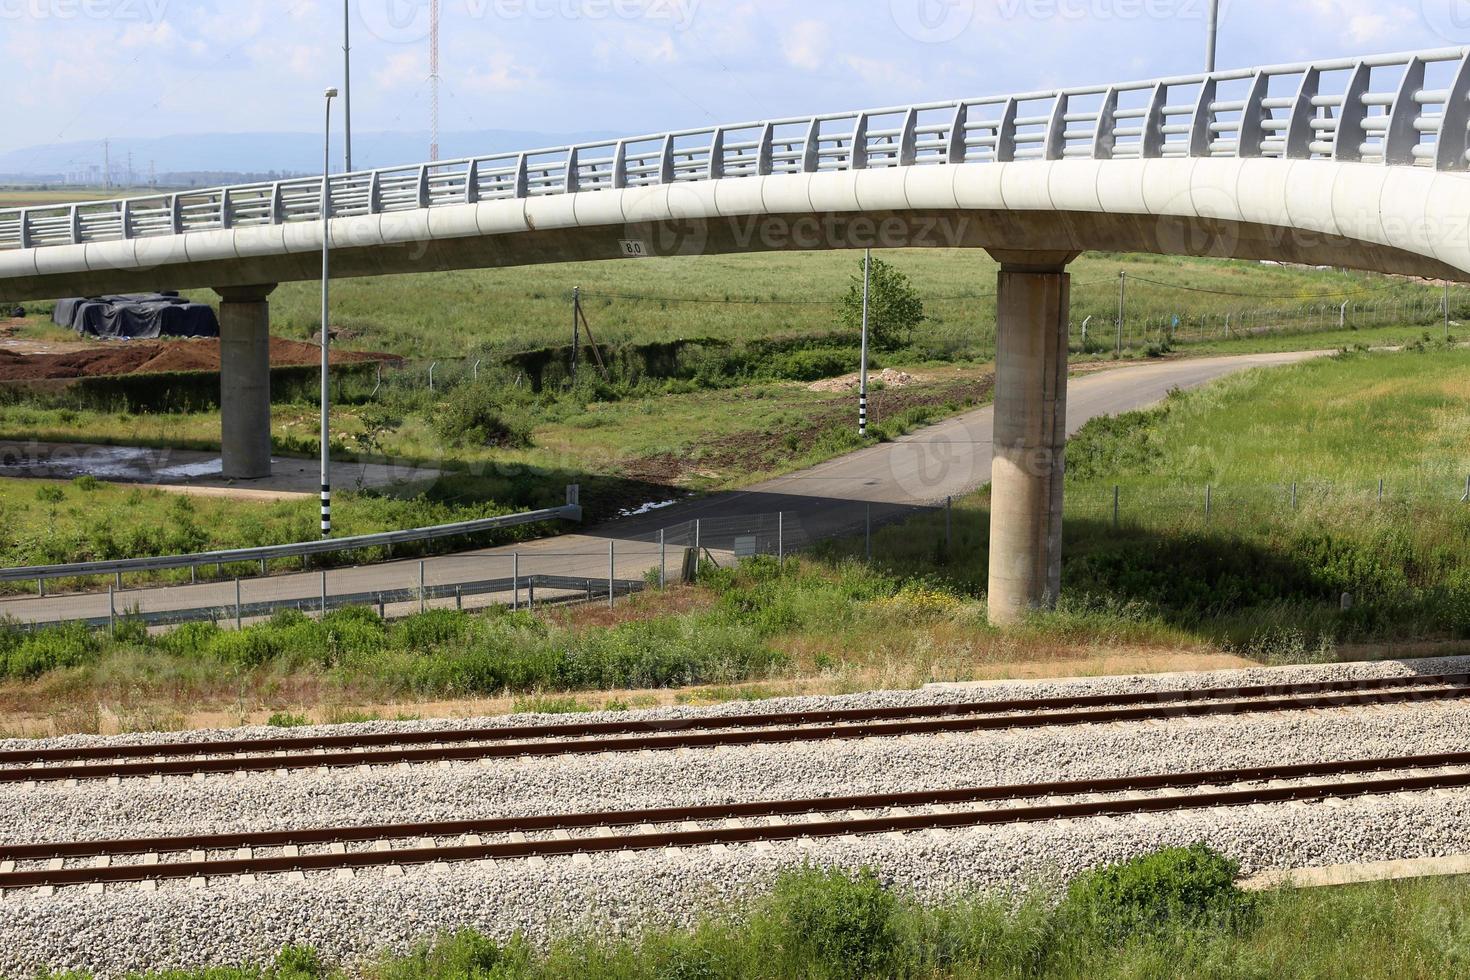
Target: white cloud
{"type": "Point", "coordinates": [805, 45]}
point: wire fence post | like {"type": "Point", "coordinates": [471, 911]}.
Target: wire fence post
{"type": "Point", "coordinates": [111, 612]}
{"type": "Point", "coordinates": [948, 524]}
{"type": "Point", "coordinates": [1115, 506]}
{"type": "Point", "coordinates": [239, 617]}
{"type": "Point", "coordinates": [696, 542]}
{"type": "Point", "coordinates": [423, 598]}
{"type": "Point", "coordinates": [1293, 496]}
{"type": "Point", "coordinates": [780, 536]}
{"type": "Point", "coordinates": [611, 572]}
{"type": "Point", "coordinates": [1207, 502]}
{"type": "Point", "coordinates": [868, 533]}
{"type": "Point", "coordinates": [515, 581]}
{"type": "Point", "coordinates": [663, 561]}
{"type": "Point", "coordinates": [1380, 489]}
{"type": "Point", "coordinates": [1122, 307]}
{"type": "Point", "coordinates": [1466, 499]}
{"type": "Point", "coordinates": [324, 593]}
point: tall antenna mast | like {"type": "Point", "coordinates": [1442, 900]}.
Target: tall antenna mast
{"type": "Point", "coordinates": [433, 80]}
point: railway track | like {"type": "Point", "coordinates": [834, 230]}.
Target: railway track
{"type": "Point", "coordinates": [233, 855]}
{"type": "Point", "coordinates": [389, 748]}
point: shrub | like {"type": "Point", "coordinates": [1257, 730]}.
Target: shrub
{"type": "Point", "coordinates": [465, 955]}
{"type": "Point", "coordinates": [296, 963]}
{"type": "Point", "coordinates": [473, 416]}
{"type": "Point", "coordinates": [833, 924]}
{"type": "Point", "coordinates": [1184, 887]}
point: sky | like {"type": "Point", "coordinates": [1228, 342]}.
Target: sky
{"type": "Point", "coordinates": [85, 69]}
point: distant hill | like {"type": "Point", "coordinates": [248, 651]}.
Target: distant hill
{"type": "Point", "coordinates": [200, 153]}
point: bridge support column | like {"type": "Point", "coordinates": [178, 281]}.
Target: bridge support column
{"type": "Point", "coordinates": [245, 381]}
{"type": "Point", "coordinates": [1032, 307]}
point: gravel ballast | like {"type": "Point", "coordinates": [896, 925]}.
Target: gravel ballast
{"type": "Point", "coordinates": [126, 928]}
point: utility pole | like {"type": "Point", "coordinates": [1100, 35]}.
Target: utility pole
{"type": "Point", "coordinates": [326, 333]}
{"type": "Point", "coordinates": [130, 168]}
{"type": "Point", "coordinates": [863, 367]}
{"type": "Point", "coordinates": [1210, 43]}
{"type": "Point", "coordinates": [433, 80]}
{"type": "Point", "coordinates": [1122, 307]}
{"type": "Point", "coordinates": [107, 164]}
{"type": "Point", "coordinates": [347, 82]}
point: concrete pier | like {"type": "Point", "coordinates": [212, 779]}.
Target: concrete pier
{"type": "Point", "coordinates": [245, 381]}
{"type": "Point", "coordinates": [1032, 307]}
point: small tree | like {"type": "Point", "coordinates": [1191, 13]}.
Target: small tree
{"type": "Point", "coordinates": [894, 307]}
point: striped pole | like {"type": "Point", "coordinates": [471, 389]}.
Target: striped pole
{"type": "Point", "coordinates": [863, 368]}
{"type": "Point", "coordinates": [326, 203]}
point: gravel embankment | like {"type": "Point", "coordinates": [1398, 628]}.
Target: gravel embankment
{"type": "Point", "coordinates": [126, 928]}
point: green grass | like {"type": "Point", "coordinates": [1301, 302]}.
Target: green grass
{"type": "Point", "coordinates": [438, 654]}
{"type": "Point", "coordinates": [742, 297]}
{"type": "Point", "coordinates": [44, 522]}
{"type": "Point", "coordinates": [1255, 574]}
{"type": "Point", "coordinates": [1175, 913]}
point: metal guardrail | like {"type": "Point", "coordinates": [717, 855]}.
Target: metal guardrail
{"type": "Point", "coordinates": [572, 511]}
{"type": "Point", "coordinates": [566, 588]}
{"type": "Point", "coordinates": [1409, 109]}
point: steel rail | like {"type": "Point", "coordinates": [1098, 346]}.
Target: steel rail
{"type": "Point", "coordinates": [863, 824]}
{"type": "Point", "coordinates": [659, 725]}
{"type": "Point", "coordinates": [707, 732]}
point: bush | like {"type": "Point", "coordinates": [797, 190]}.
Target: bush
{"type": "Point", "coordinates": [464, 955]}
{"type": "Point", "coordinates": [833, 924]}
{"type": "Point", "coordinates": [1176, 888]}
{"type": "Point", "coordinates": [813, 365]}
{"type": "Point", "coordinates": [472, 415]}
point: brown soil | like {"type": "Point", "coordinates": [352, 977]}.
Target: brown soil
{"type": "Point", "coordinates": [156, 357]}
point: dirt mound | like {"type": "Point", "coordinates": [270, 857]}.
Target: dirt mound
{"type": "Point", "coordinates": [157, 357]}
{"type": "Point", "coordinates": [888, 377]}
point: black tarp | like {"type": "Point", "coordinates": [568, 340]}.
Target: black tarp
{"type": "Point", "coordinates": [142, 317]}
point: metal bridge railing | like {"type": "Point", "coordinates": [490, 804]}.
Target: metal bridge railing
{"type": "Point", "coordinates": [1409, 109]}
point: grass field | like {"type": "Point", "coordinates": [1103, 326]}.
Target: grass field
{"type": "Point", "coordinates": [1175, 913]}
{"type": "Point", "coordinates": [746, 296]}
{"type": "Point", "coordinates": [1255, 578]}
{"type": "Point", "coordinates": [1255, 572]}
{"type": "Point", "coordinates": [25, 197]}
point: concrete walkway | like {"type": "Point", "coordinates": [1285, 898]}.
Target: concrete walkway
{"type": "Point", "coordinates": [950, 458]}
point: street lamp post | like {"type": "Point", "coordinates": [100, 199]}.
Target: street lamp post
{"type": "Point", "coordinates": [863, 366]}
{"type": "Point", "coordinates": [326, 334]}
{"type": "Point", "coordinates": [1213, 35]}
{"type": "Point", "coordinates": [347, 82]}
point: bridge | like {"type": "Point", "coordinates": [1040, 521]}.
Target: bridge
{"type": "Point", "coordinates": [1358, 162]}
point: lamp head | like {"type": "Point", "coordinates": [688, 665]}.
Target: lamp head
{"type": "Point", "coordinates": [331, 93]}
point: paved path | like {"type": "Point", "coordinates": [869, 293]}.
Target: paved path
{"type": "Point", "coordinates": [950, 458]}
